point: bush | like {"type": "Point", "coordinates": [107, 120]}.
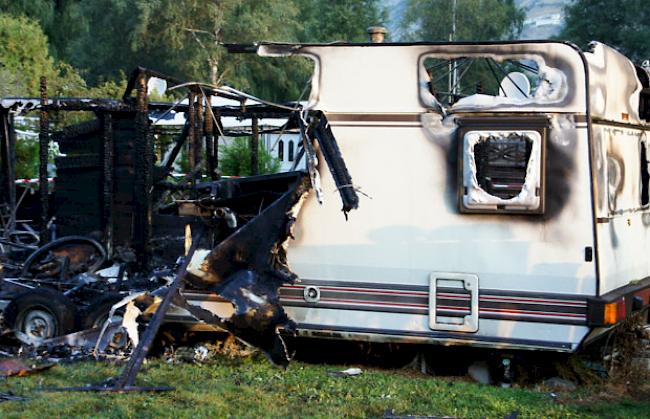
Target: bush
{"type": "Point", "coordinates": [235, 159]}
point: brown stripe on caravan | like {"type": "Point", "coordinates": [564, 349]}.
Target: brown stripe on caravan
{"type": "Point", "coordinates": [373, 117]}
{"type": "Point", "coordinates": [411, 299]}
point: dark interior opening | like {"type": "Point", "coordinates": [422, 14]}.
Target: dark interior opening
{"type": "Point", "coordinates": [502, 163]}
{"type": "Point", "coordinates": [644, 96]}
{"type": "Point", "coordinates": [645, 176]}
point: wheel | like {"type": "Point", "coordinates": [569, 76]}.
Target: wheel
{"type": "Point", "coordinates": [96, 314]}
{"type": "Point", "coordinates": [83, 254]}
{"type": "Point", "coordinates": [41, 313]}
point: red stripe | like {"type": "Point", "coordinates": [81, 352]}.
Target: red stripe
{"type": "Point", "coordinates": [363, 290]}
{"type": "Point", "coordinates": [447, 308]}
{"type": "Point", "coordinates": [533, 300]}
{"type": "Point", "coordinates": [534, 313]}
{"type": "Point", "coordinates": [363, 302]}
{"type": "Point", "coordinates": [442, 295]}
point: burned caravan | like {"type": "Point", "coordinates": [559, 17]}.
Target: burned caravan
{"type": "Point", "coordinates": [512, 214]}
{"type": "Point", "coordinates": [501, 197]}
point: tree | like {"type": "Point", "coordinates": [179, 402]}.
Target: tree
{"type": "Point", "coordinates": [476, 20]}
{"type": "Point", "coordinates": [24, 56]}
{"type": "Point", "coordinates": [623, 24]}
{"type": "Point", "coordinates": [340, 20]}
{"type": "Point", "coordinates": [235, 159]}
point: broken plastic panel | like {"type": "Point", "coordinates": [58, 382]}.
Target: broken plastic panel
{"type": "Point", "coordinates": [502, 172]}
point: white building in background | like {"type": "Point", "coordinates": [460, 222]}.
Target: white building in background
{"type": "Point", "coordinates": [282, 145]}
{"type": "Point", "coordinates": [544, 18]}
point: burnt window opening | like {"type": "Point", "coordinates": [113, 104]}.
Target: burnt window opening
{"type": "Point", "coordinates": [281, 150]}
{"type": "Point", "coordinates": [644, 95]}
{"type": "Point", "coordinates": [502, 171]}
{"type": "Point", "coordinates": [290, 153]}
{"type": "Point", "coordinates": [452, 79]}
{"type": "Point", "coordinates": [502, 163]}
{"type": "Point", "coordinates": [645, 176]}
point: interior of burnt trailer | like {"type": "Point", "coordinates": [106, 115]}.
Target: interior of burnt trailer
{"type": "Point", "coordinates": [112, 182]}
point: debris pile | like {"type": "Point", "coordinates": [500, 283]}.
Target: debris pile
{"type": "Point", "coordinates": [118, 243]}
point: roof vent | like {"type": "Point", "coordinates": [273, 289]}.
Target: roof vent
{"type": "Point", "coordinates": [376, 34]}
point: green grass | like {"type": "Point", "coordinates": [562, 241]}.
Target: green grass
{"type": "Point", "coordinates": [253, 388]}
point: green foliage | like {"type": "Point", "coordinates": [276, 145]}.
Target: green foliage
{"type": "Point", "coordinates": [624, 24]}
{"type": "Point", "coordinates": [235, 159]}
{"type": "Point", "coordinates": [27, 158]}
{"type": "Point", "coordinates": [103, 39]}
{"type": "Point", "coordinates": [24, 56]}
{"type": "Point", "coordinates": [251, 388]}
{"type": "Point", "coordinates": [340, 20]}
{"type": "Point", "coordinates": [476, 20]}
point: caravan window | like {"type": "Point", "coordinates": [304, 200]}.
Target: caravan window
{"type": "Point", "coordinates": [485, 81]}
{"type": "Point", "coordinates": [502, 165]}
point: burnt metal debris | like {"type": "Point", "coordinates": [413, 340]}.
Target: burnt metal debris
{"type": "Point", "coordinates": [116, 230]}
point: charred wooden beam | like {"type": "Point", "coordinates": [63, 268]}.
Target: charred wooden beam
{"type": "Point", "coordinates": [44, 148]}
{"type": "Point", "coordinates": [191, 118]}
{"type": "Point", "coordinates": [255, 147]}
{"type": "Point", "coordinates": [209, 140]}
{"type": "Point", "coordinates": [321, 130]}
{"type": "Point", "coordinates": [8, 155]}
{"type": "Point", "coordinates": [143, 177]}
{"type": "Point", "coordinates": [108, 161]}
{"type": "Point", "coordinates": [198, 134]}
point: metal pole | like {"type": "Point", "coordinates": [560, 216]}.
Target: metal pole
{"type": "Point", "coordinates": [255, 144]}
{"type": "Point", "coordinates": [44, 144]}
{"type": "Point", "coordinates": [454, 87]}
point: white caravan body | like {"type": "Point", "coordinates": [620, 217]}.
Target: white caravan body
{"type": "Point", "coordinates": [451, 247]}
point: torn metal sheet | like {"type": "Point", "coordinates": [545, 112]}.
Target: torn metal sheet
{"type": "Point", "coordinates": [247, 269]}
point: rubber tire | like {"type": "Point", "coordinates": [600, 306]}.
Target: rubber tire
{"type": "Point", "coordinates": [97, 309]}
{"type": "Point", "coordinates": [58, 305]}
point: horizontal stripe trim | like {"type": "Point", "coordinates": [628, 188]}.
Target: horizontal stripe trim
{"type": "Point", "coordinates": [365, 290]}
{"type": "Point", "coordinates": [372, 117]}
{"type": "Point", "coordinates": [343, 304]}
{"type": "Point", "coordinates": [425, 288]}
